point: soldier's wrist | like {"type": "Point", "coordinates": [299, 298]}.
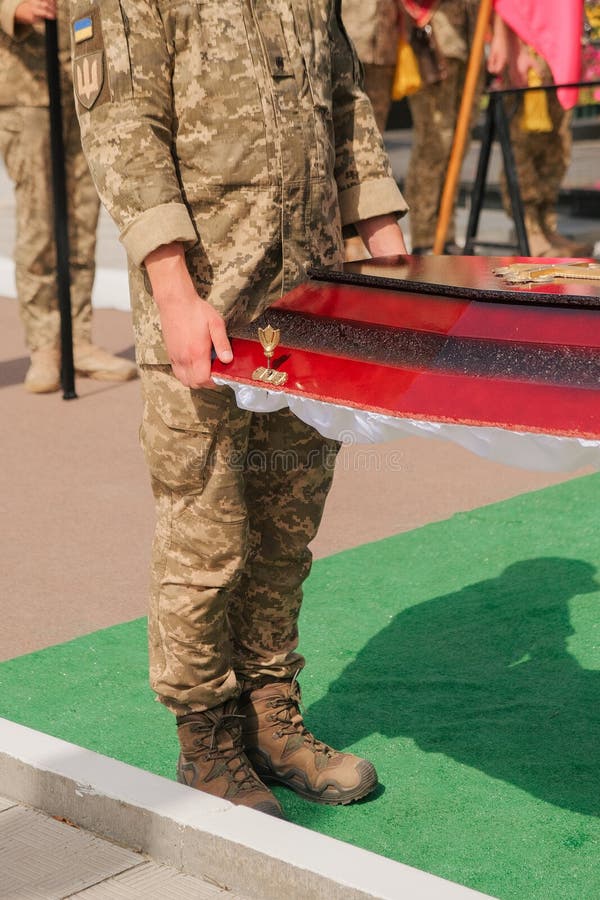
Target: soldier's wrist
{"type": "Point", "coordinates": [168, 273]}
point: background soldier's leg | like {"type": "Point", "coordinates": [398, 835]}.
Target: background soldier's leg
{"type": "Point", "coordinates": [26, 149]}
{"type": "Point", "coordinates": [25, 140]}
{"type": "Point", "coordinates": [526, 149]}
{"type": "Point", "coordinates": [194, 443]}
{"type": "Point", "coordinates": [84, 207]}
{"type": "Point", "coordinates": [555, 157]}
{"type": "Point", "coordinates": [434, 110]}
{"type": "Point", "coordinates": [288, 475]}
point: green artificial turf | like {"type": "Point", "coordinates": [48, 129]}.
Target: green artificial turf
{"type": "Point", "coordinates": [463, 658]}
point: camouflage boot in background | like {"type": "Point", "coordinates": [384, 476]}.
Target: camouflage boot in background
{"type": "Point", "coordinates": [93, 362]}
{"type": "Point", "coordinates": [539, 245]}
{"type": "Point", "coordinates": [212, 759]}
{"type": "Point", "coordinates": [281, 749]}
{"type": "Point", "coordinates": [43, 375]}
{"type": "Point", "coordinates": [561, 244]}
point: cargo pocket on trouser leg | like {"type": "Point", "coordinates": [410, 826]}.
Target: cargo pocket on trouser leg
{"type": "Point", "coordinates": [191, 440]}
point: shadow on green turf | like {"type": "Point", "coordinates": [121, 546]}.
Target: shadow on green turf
{"type": "Point", "coordinates": [484, 676]}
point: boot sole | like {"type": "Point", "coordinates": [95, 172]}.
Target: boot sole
{"type": "Point", "coordinates": [107, 376]}
{"type": "Point", "coordinates": [368, 783]}
{"type": "Point", "coordinates": [42, 389]}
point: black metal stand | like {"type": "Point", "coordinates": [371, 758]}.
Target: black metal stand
{"type": "Point", "coordinates": [497, 126]}
{"type": "Point", "coordinates": [61, 230]}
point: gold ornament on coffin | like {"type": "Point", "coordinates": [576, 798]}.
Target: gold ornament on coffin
{"type": "Point", "coordinates": [543, 273]}
{"type": "Point", "coordinates": [269, 338]}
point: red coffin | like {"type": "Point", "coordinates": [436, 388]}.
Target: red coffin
{"type": "Point", "coordinates": [440, 339]}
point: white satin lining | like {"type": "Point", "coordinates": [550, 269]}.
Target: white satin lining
{"type": "Point", "coordinates": [539, 452]}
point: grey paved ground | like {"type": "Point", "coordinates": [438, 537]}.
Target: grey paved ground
{"type": "Point", "coordinates": [42, 858]}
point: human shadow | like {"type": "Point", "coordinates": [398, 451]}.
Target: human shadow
{"type": "Point", "coordinates": [12, 371]}
{"type": "Point", "coordinates": [484, 676]}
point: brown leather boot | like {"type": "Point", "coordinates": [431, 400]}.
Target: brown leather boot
{"type": "Point", "coordinates": [212, 759]}
{"type": "Point", "coordinates": [282, 749]}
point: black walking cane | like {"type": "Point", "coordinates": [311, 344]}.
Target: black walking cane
{"type": "Point", "coordinates": [61, 230]}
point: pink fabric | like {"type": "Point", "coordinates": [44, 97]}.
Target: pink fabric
{"type": "Point", "coordinates": [554, 29]}
{"type": "Point", "coordinates": [420, 10]}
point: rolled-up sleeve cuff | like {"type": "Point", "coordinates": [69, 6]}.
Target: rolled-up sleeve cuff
{"type": "Point", "coordinates": [371, 198]}
{"type": "Point", "coordinates": [7, 19]}
{"type": "Point", "coordinates": [164, 224]}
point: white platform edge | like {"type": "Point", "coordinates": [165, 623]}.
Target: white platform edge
{"type": "Point", "coordinates": [237, 848]}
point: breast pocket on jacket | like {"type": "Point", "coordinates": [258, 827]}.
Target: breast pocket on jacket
{"type": "Point", "coordinates": [220, 108]}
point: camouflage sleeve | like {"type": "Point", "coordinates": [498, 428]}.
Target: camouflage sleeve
{"type": "Point", "coordinates": [363, 173]}
{"type": "Point", "coordinates": [7, 18]}
{"type": "Point", "coordinates": [121, 77]}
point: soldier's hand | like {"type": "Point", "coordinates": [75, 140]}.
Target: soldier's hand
{"type": "Point", "coordinates": [382, 236]}
{"type": "Point", "coordinates": [191, 327]}
{"type": "Point", "coordinates": [32, 12]}
{"type": "Point", "coordinates": [519, 65]}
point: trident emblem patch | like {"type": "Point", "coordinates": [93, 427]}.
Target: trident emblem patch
{"type": "Point", "coordinates": [89, 78]}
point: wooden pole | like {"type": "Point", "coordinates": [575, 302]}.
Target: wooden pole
{"type": "Point", "coordinates": [463, 123]}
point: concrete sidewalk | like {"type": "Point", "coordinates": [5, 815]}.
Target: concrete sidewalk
{"type": "Point", "coordinates": [48, 858]}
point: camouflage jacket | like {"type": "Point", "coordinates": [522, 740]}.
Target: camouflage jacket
{"type": "Point", "coordinates": [23, 58]}
{"type": "Point", "coordinates": [237, 128]}
{"type": "Point", "coordinates": [374, 26]}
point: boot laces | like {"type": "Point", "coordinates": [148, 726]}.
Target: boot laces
{"type": "Point", "coordinates": [290, 721]}
{"type": "Point", "coordinates": [232, 757]}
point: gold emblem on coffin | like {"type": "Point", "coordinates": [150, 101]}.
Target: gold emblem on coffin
{"type": "Point", "coordinates": [540, 273]}
{"type": "Point", "coordinates": [269, 338]}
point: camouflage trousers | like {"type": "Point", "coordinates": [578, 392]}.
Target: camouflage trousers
{"type": "Point", "coordinates": [434, 111]}
{"type": "Point", "coordinates": [541, 160]}
{"type": "Point", "coordinates": [25, 147]}
{"type": "Point", "coordinates": [239, 496]}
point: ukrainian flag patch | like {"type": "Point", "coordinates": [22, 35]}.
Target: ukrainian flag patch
{"type": "Point", "coordinates": [83, 30]}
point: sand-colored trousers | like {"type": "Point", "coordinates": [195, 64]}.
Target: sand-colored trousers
{"type": "Point", "coordinates": [25, 147]}
{"type": "Point", "coordinates": [239, 497]}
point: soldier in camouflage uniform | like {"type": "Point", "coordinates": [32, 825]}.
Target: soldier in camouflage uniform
{"type": "Point", "coordinates": [542, 157]}
{"type": "Point", "coordinates": [25, 146]}
{"type": "Point", "coordinates": [434, 111]}
{"type": "Point", "coordinates": [374, 26]}
{"type": "Point", "coordinates": [230, 142]}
